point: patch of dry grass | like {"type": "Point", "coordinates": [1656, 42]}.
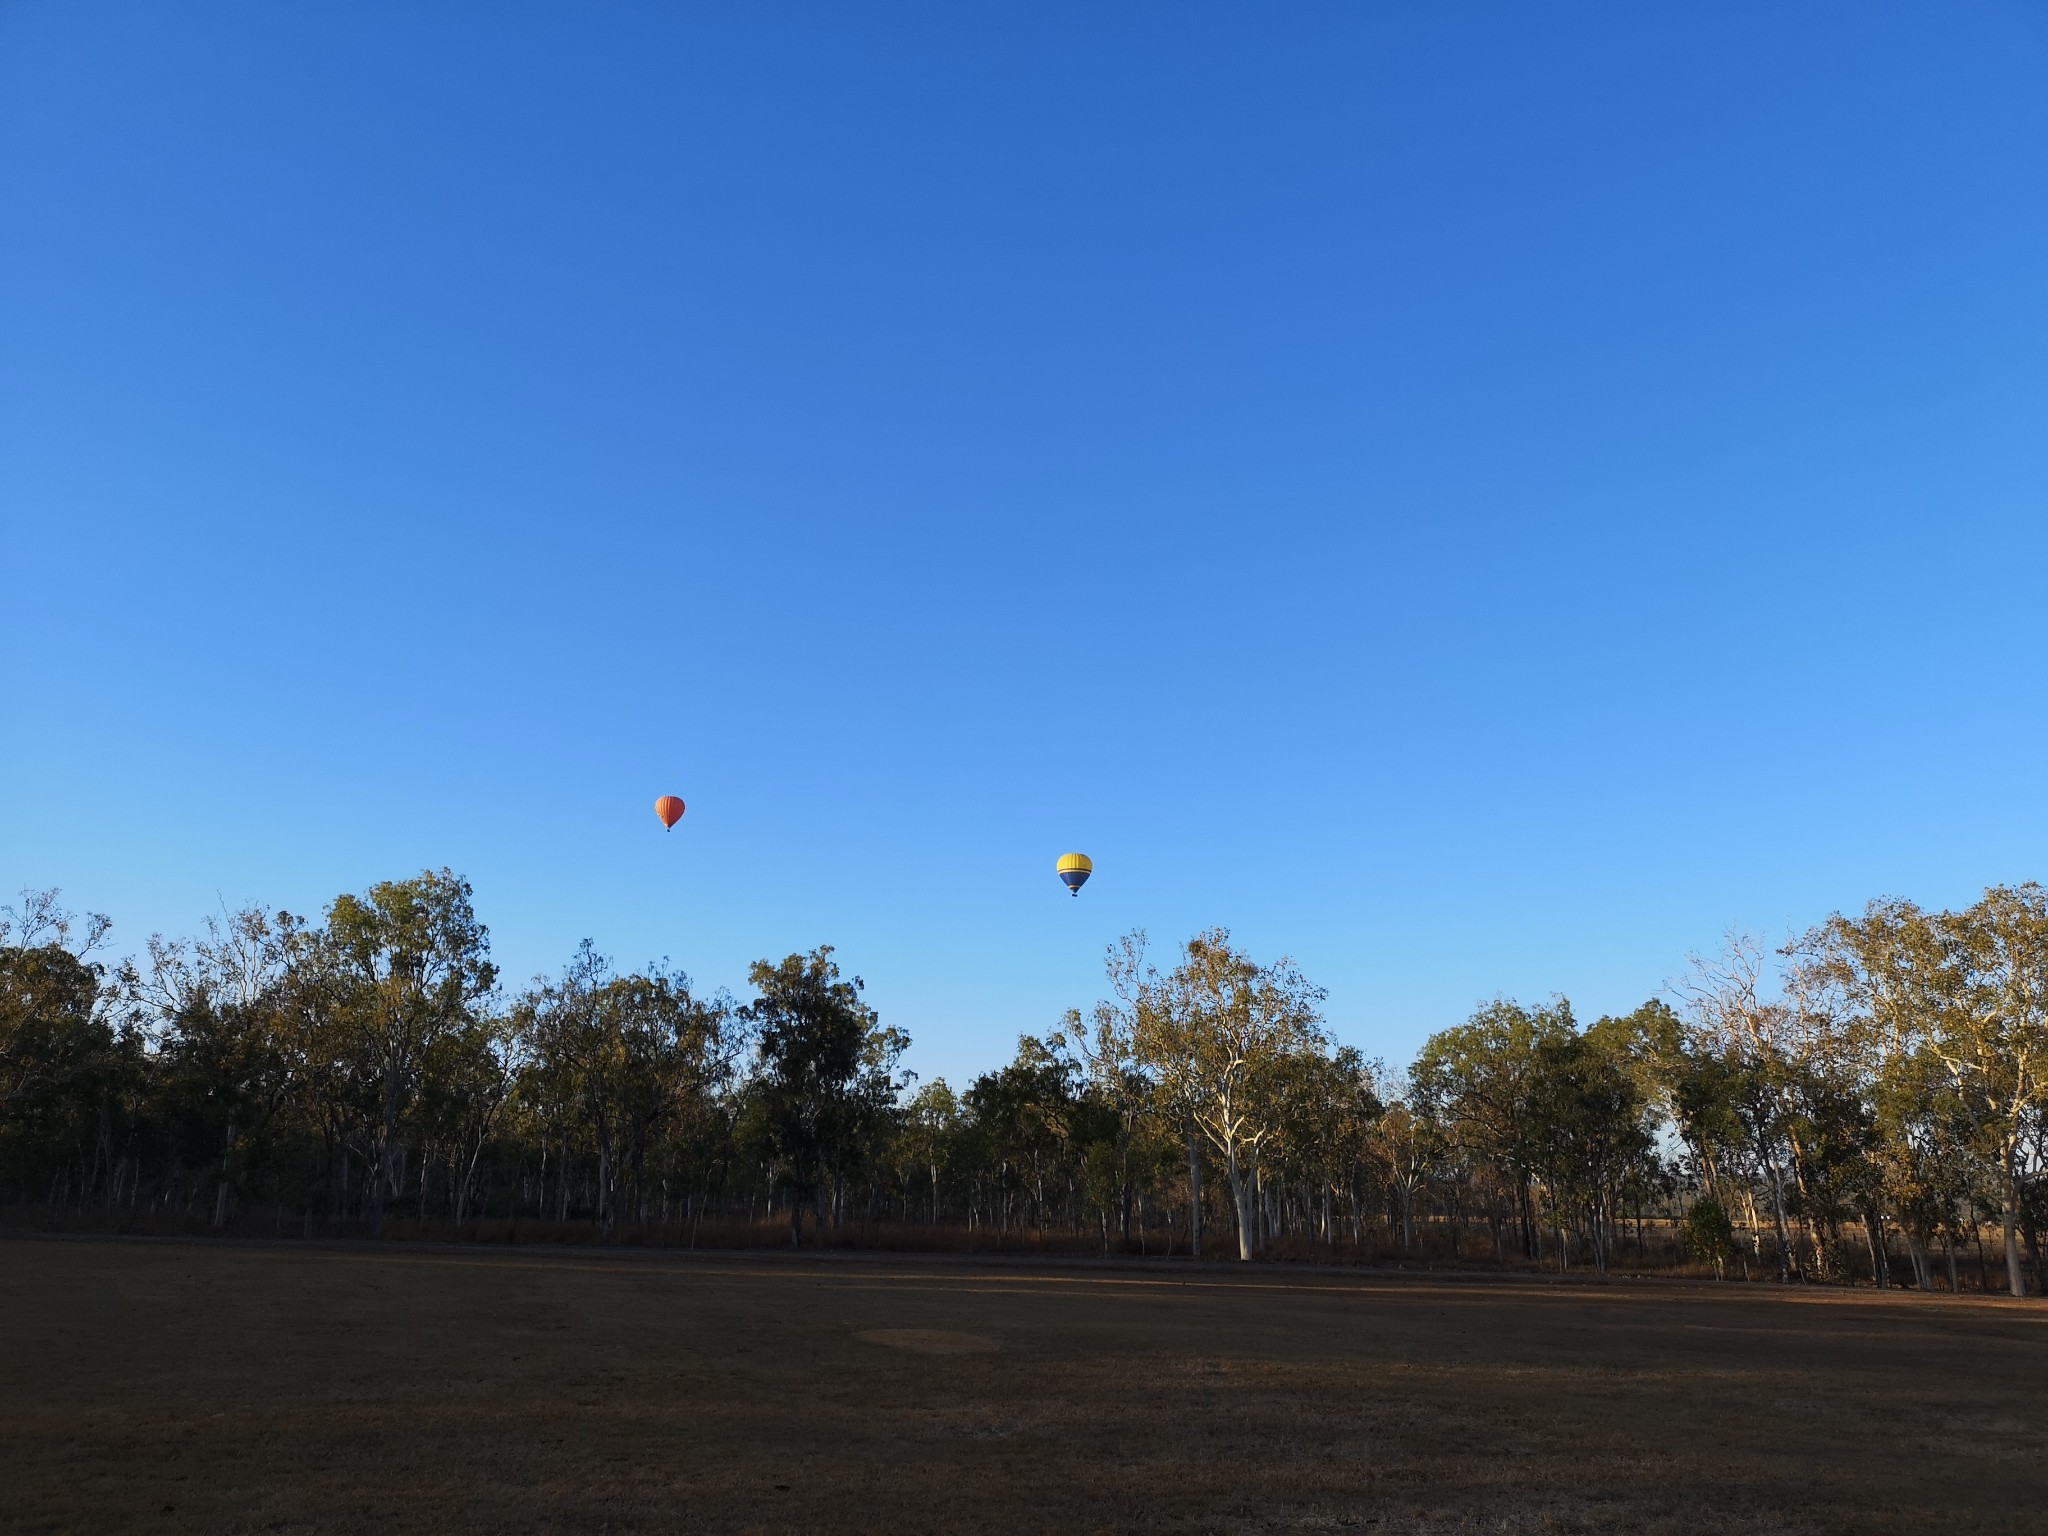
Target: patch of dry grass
{"type": "Point", "coordinates": [292, 1388]}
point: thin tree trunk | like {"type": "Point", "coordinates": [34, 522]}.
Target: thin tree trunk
{"type": "Point", "coordinates": [1870, 1239]}
{"type": "Point", "coordinates": [1923, 1270]}
{"type": "Point", "coordinates": [220, 1203]}
{"type": "Point", "coordinates": [1778, 1218]}
{"type": "Point", "coordinates": [2015, 1277]}
{"type": "Point", "coordinates": [1242, 1193]}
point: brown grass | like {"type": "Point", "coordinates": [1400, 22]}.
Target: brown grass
{"type": "Point", "coordinates": [355, 1388]}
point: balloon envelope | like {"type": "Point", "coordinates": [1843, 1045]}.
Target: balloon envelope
{"type": "Point", "coordinates": [669, 809]}
{"type": "Point", "coordinates": [1074, 870]}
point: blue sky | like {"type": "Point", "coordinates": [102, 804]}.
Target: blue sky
{"type": "Point", "coordinates": [1481, 498]}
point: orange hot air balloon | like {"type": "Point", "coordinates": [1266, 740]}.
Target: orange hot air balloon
{"type": "Point", "coordinates": [670, 809]}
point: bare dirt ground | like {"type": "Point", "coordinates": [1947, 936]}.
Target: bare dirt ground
{"type": "Point", "coordinates": [188, 1386]}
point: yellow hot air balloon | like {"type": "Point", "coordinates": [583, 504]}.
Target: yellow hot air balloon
{"type": "Point", "coordinates": [1074, 869]}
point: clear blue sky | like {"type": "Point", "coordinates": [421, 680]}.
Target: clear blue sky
{"type": "Point", "coordinates": [1481, 498]}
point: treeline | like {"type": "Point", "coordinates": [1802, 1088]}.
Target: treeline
{"type": "Point", "coordinates": [1869, 1103]}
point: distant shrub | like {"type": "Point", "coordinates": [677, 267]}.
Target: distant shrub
{"type": "Point", "coordinates": [1709, 1233]}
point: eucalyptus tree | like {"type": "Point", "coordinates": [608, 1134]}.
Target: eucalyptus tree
{"type": "Point", "coordinates": [1589, 1131]}
{"type": "Point", "coordinates": [411, 964]}
{"type": "Point", "coordinates": [1127, 1101]}
{"type": "Point", "coordinates": [1123, 1026]}
{"type": "Point", "coordinates": [1758, 1043]}
{"type": "Point", "coordinates": [62, 1056]}
{"type": "Point", "coordinates": [1030, 1122]}
{"type": "Point", "coordinates": [321, 1016]}
{"type": "Point", "coordinates": [1966, 993]}
{"type": "Point", "coordinates": [1406, 1147]}
{"type": "Point", "coordinates": [229, 1076]}
{"type": "Point", "coordinates": [1220, 1034]}
{"type": "Point", "coordinates": [1923, 1157]}
{"type": "Point", "coordinates": [465, 1085]}
{"type": "Point", "coordinates": [618, 1059]}
{"type": "Point", "coordinates": [1994, 1043]}
{"type": "Point", "coordinates": [1475, 1085]}
{"type": "Point", "coordinates": [928, 1140]}
{"type": "Point", "coordinates": [1329, 1104]}
{"type": "Point", "coordinates": [51, 1022]}
{"type": "Point", "coordinates": [825, 1081]}
{"type": "Point", "coordinates": [228, 1070]}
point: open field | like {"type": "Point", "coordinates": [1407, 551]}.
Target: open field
{"type": "Point", "coordinates": [251, 1387]}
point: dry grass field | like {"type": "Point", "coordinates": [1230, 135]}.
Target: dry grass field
{"type": "Point", "coordinates": [188, 1386]}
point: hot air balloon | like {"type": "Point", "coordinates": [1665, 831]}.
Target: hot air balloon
{"type": "Point", "coordinates": [670, 809]}
{"type": "Point", "coordinates": [1074, 869]}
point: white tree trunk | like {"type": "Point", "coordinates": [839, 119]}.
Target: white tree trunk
{"type": "Point", "coordinates": [2015, 1277]}
{"type": "Point", "coordinates": [1241, 1194]}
